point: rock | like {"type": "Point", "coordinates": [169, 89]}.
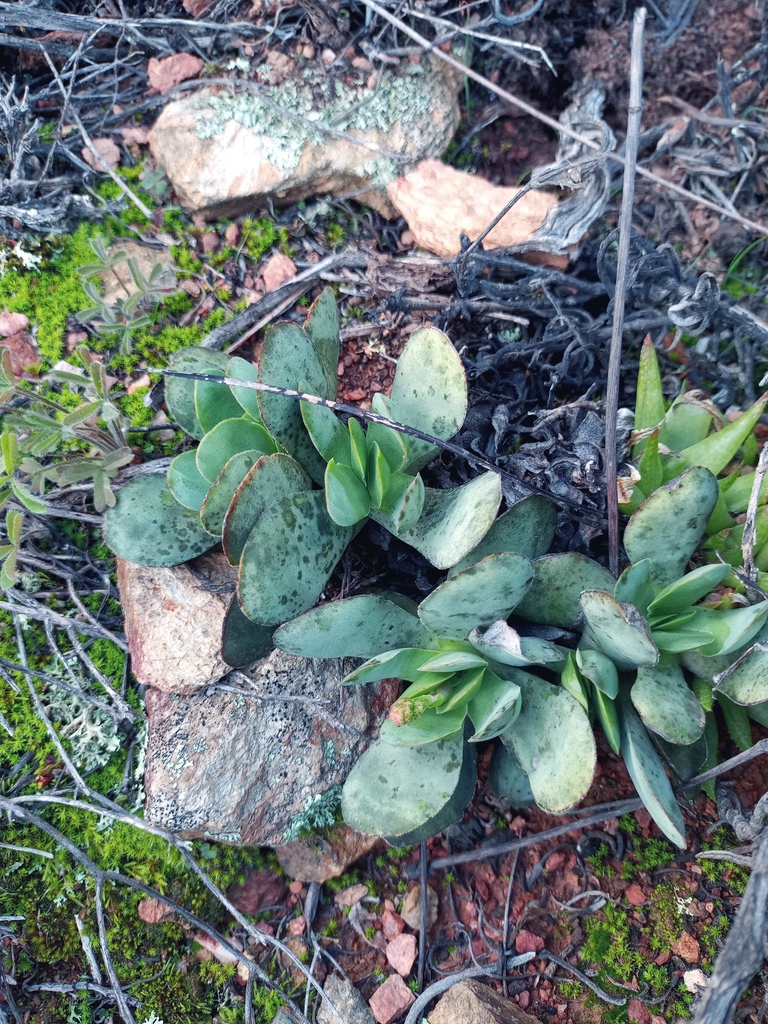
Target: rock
{"type": "Point", "coordinates": [637, 1011]}
{"type": "Point", "coordinates": [134, 135]}
{"type": "Point", "coordinates": [109, 155]}
{"type": "Point", "coordinates": [118, 283]}
{"type": "Point", "coordinates": [688, 948]}
{"type": "Point", "coordinates": [411, 908]}
{"type": "Point", "coordinates": [197, 7]}
{"type": "Point", "coordinates": [277, 270]}
{"type": "Point", "coordinates": [401, 953]}
{"type": "Point", "coordinates": [634, 894]}
{"type": "Point", "coordinates": [391, 1000]}
{"type": "Point", "coordinates": [471, 1002]}
{"type": "Point", "coordinates": [527, 942]}
{"type": "Point", "coordinates": [12, 323]}
{"type": "Point", "coordinates": [233, 768]}
{"type": "Point", "coordinates": [23, 352]}
{"type": "Point", "coordinates": [351, 895]}
{"type": "Point", "coordinates": [440, 203]}
{"type": "Point", "coordinates": [164, 74]}
{"type": "Point", "coordinates": [347, 1000]}
{"type": "Point", "coordinates": [153, 911]}
{"type": "Point", "coordinates": [260, 889]}
{"type": "Point", "coordinates": [226, 154]}
{"type": "Point", "coordinates": [210, 241]}
{"type": "Point", "coordinates": [695, 980]}
{"type": "Point", "coordinates": [317, 858]}
{"type": "Point", "coordinates": [173, 624]}
{"type": "Point", "coordinates": [391, 924]}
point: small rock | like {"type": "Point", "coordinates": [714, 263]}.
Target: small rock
{"type": "Point", "coordinates": [232, 234]}
{"type": "Point", "coordinates": [347, 1000]}
{"type": "Point", "coordinates": [638, 1011]}
{"type": "Point", "coordinates": [524, 999]}
{"type": "Point", "coordinates": [74, 338]}
{"type": "Point", "coordinates": [440, 203]}
{"type": "Point", "coordinates": [164, 74]}
{"type": "Point", "coordinates": [108, 152]}
{"type": "Point", "coordinates": [260, 889]}
{"type": "Point", "coordinates": [23, 352]}
{"type": "Point", "coordinates": [471, 1002]}
{"type": "Point", "coordinates": [391, 1000]}
{"type": "Point", "coordinates": [328, 56]}
{"type": "Point", "coordinates": [351, 895]}
{"type": "Point", "coordinates": [527, 942]}
{"type": "Point", "coordinates": [135, 135]}
{"type": "Point", "coordinates": [297, 925]}
{"type": "Point", "coordinates": [298, 946]}
{"type": "Point", "coordinates": [210, 241]}
{"type": "Point", "coordinates": [695, 980]}
{"type": "Point", "coordinates": [688, 948]}
{"type": "Point", "coordinates": [411, 908]}
{"type": "Point", "coordinates": [634, 894]}
{"type": "Point", "coordinates": [192, 288]}
{"type": "Point", "coordinates": [154, 911]}
{"type": "Point", "coordinates": [320, 857]}
{"type": "Point", "coordinates": [196, 7]}
{"type": "Point", "coordinates": [401, 953]}
{"type": "Point", "coordinates": [12, 323]}
{"type": "Point", "coordinates": [277, 270]}
{"type": "Point", "coordinates": [392, 924]}
{"type": "Point", "coordinates": [642, 817]}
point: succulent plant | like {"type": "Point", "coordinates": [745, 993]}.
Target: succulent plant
{"type": "Point", "coordinates": [466, 667]}
{"type": "Point", "coordinates": [285, 485]}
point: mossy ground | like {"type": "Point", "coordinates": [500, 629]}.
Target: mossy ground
{"type": "Point", "coordinates": [154, 962]}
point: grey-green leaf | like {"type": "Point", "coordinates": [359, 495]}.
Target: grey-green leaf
{"type": "Point", "coordinates": [357, 627]}
{"type": "Point", "coordinates": [243, 641]}
{"type": "Point", "coordinates": [669, 525]}
{"type": "Point", "coordinates": [288, 558]}
{"type": "Point", "coordinates": [553, 743]}
{"type": "Point", "coordinates": [616, 629]}
{"type": "Point", "coordinates": [227, 439]}
{"type": "Point", "coordinates": [398, 790]}
{"type": "Point", "coordinates": [557, 584]}
{"type": "Point", "coordinates": [247, 398]}
{"type": "Point", "coordinates": [185, 483]}
{"type": "Point", "coordinates": [746, 682]}
{"type": "Point", "coordinates": [273, 477]}
{"type": "Point", "coordinates": [527, 528]}
{"type": "Point", "coordinates": [502, 643]}
{"type": "Point", "coordinates": [221, 493]}
{"type": "Point", "coordinates": [666, 703]}
{"type": "Point", "coordinates": [180, 391]}
{"type": "Point", "coordinates": [647, 772]}
{"type": "Point", "coordinates": [322, 326]}
{"type": "Point", "coordinates": [508, 780]}
{"type": "Point", "coordinates": [148, 525]}
{"type": "Point", "coordinates": [478, 596]}
{"type": "Point", "coordinates": [453, 522]}
{"type": "Point", "coordinates": [495, 706]}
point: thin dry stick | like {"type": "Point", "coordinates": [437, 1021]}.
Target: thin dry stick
{"type": "Point", "coordinates": [619, 298]}
{"type": "Point", "coordinates": [750, 523]}
{"type": "Point", "coordinates": [561, 129]}
{"type": "Point", "coordinates": [89, 142]}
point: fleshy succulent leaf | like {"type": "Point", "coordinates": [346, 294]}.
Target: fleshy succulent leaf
{"type": "Point", "coordinates": [553, 743]}
{"type": "Point", "coordinates": [247, 398]}
{"type": "Point", "coordinates": [502, 643]}
{"type": "Point", "coordinates": [409, 793]}
{"type": "Point", "coordinates": [243, 641]}
{"type": "Point", "coordinates": [686, 591]}
{"type": "Point", "coordinates": [289, 556]}
{"type": "Point", "coordinates": [478, 596]}
{"type": "Point", "coordinates": [185, 483]}
{"type": "Point", "coordinates": [600, 671]}
{"type": "Point", "coordinates": [326, 432]}
{"type": "Point", "coordinates": [716, 451]}
{"type": "Point", "coordinates": [358, 449]}
{"type": "Point", "coordinates": [647, 772]}
{"type": "Point", "coordinates": [557, 584]}
{"type": "Point", "coordinates": [148, 526]}
{"type": "Point", "coordinates": [666, 704]}
{"type": "Point", "coordinates": [228, 438]}
{"type": "Point", "coordinates": [180, 391]}
{"type": "Point", "coordinates": [608, 716]}
{"type": "Point", "coordinates": [378, 477]}
{"type": "Point", "coordinates": [453, 522]}
{"type": "Point", "coordinates": [634, 586]}
{"type": "Point", "coordinates": [393, 443]}
{"type": "Point", "coordinates": [571, 680]}
{"type": "Point", "coordinates": [427, 728]}
{"type": "Point", "coordinates": [215, 402]}
{"type": "Point", "coordinates": [668, 526]}
{"type": "Point", "coordinates": [508, 780]}
{"type": "Point", "coordinates": [617, 630]}
{"type": "Point", "coordinates": [221, 493]}
{"type": "Point", "coordinates": [402, 503]}
{"type": "Point", "coordinates": [289, 360]}
{"type": "Point", "coordinates": [346, 496]}
{"type": "Point", "coordinates": [649, 405]}
{"type": "Point", "coordinates": [731, 628]}
{"type": "Point", "coordinates": [273, 477]}
{"type": "Point", "coordinates": [404, 663]}
{"type": "Point", "coordinates": [527, 528]}
{"type": "Point", "coordinates": [322, 326]}
{"type": "Point", "coordinates": [495, 706]}
{"type": "Point", "coordinates": [746, 681]}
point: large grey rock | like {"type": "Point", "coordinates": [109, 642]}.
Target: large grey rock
{"type": "Point", "coordinates": [256, 768]}
{"type": "Point", "coordinates": [347, 1000]}
{"type": "Point", "coordinates": [226, 153]}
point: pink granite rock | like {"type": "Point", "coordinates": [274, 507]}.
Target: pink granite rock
{"type": "Point", "coordinates": [401, 953]}
{"type": "Point", "coordinates": [391, 1000]}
